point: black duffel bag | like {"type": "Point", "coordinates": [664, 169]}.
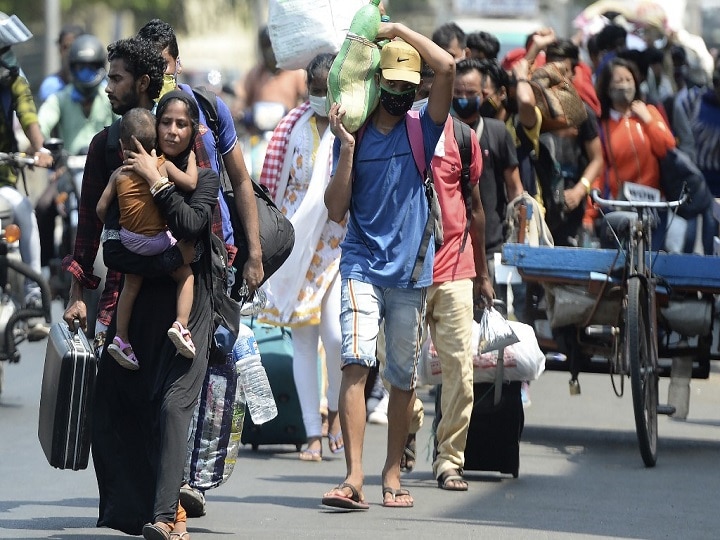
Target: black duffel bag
{"type": "Point", "coordinates": [277, 235]}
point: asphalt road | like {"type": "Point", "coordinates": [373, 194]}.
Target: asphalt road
{"type": "Point", "coordinates": [581, 476]}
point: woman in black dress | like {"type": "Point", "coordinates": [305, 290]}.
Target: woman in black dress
{"type": "Point", "coordinates": [141, 418]}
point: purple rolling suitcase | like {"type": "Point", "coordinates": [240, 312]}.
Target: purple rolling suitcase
{"type": "Point", "coordinates": [66, 400]}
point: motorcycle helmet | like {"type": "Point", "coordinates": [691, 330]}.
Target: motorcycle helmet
{"type": "Point", "coordinates": [87, 62]}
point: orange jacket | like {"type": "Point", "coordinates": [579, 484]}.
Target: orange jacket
{"type": "Point", "coordinates": [631, 150]}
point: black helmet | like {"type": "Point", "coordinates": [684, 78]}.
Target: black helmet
{"type": "Point", "coordinates": [87, 62]}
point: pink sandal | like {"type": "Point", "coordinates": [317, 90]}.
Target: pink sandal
{"type": "Point", "coordinates": [117, 350]}
{"type": "Point", "coordinates": [181, 338]}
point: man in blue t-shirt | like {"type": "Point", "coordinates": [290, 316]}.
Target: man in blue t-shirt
{"type": "Point", "coordinates": [378, 182]}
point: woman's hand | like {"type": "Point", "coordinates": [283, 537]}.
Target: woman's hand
{"type": "Point", "coordinates": [338, 129]}
{"type": "Point", "coordinates": [543, 37]}
{"type": "Point", "coordinates": [640, 110]}
{"type": "Point", "coordinates": [142, 163]}
{"type": "Point", "coordinates": [521, 69]}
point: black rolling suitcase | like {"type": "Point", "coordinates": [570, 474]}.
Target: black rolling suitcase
{"type": "Point", "coordinates": [493, 439]}
{"type": "Point", "coordinates": [276, 353]}
{"type": "Point", "coordinates": [68, 385]}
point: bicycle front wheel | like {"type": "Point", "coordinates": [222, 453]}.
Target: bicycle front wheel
{"type": "Point", "coordinates": [643, 369]}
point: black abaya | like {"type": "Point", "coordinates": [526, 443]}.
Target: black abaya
{"type": "Point", "coordinates": [141, 418]}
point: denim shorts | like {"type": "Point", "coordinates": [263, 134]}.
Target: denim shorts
{"type": "Point", "coordinates": [363, 308]}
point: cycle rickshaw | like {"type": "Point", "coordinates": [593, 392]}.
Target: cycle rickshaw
{"type": "Point", "coordinates": [620, 310]}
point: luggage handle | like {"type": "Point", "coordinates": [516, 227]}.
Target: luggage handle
{"type": "Point", "coordinates": [75, 326]}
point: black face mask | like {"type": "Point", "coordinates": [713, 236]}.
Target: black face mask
{"type": "Point", "coordinates": [488, 108]}
{"type": "Point", "coordinates": [466, 107]}
{"type": "Point", "coordinates": [397, 104]}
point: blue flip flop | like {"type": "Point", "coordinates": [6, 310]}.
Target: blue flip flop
{"type": "Point", "coordinates": [336, 440]}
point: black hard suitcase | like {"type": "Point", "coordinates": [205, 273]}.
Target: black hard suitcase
{"type": "Point", "coordinates": [493, 439]}
{"type": "Point", "coordinates": [68, 385]}
{"type": "Point", "coordinates": [276, 353]}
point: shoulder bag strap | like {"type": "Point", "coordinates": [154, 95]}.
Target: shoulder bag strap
{"type": "Point", "coordinates": [415, 136]}
{"type": "Point", "coordinates": [207, 101]}
{"type": "Point", "coordinates": [462, 136]}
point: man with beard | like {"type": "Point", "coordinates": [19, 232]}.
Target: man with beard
{"type": "Point", "coordinates": [135, 77]}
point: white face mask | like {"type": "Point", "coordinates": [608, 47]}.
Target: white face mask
{"type": "Point", "coordinates": [318, 104]}
{"type": "Point", "coordinates": [419, 104]}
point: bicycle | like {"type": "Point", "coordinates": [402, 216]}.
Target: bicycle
{"type": "Point", "coordinates": [638, 334]}
{"type": "Point", "coordinates": [14, 272]}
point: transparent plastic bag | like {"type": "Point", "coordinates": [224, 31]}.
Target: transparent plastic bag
{"type": "Point", "coordinates": [495, 332]}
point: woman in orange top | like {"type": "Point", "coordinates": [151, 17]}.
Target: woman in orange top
{"type": "Point", "coordinates": [634, 135]}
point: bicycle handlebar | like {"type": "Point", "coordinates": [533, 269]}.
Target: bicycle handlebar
{"type": "Point", "coordinates": [17, 159]}
{"type": "Point", "coordinates": [595, 194]}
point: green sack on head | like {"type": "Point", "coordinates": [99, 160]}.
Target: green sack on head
{"type": "Point", "coordinates": [351, 81]}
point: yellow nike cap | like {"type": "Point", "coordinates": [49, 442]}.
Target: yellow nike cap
{"type": "Point", "coordinates": [399, 61]}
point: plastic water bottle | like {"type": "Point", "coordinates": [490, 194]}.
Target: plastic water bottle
{"type": "Point", "coordinates": [253, 378]}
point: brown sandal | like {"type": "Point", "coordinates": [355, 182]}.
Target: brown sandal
{"type": "Point", "coordinates": [155, 532]}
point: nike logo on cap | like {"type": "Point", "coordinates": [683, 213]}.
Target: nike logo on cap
{"type": "Point", "coordinates": [402, 59]}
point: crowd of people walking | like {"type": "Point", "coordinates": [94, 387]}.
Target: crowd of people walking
{"type": "Point", "coordinates": [367, 285]}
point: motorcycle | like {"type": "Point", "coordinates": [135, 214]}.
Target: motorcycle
{"type": "Point", "coordinates": [13, 272]}
{"type": "Point", "coordinates": [70, 169]}
{"type": "Point", "coordinates": [64, 195]}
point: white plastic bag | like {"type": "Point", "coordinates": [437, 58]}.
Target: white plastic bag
{"type": "Point", "coordinates": [495, 332]}
{"type": "Point", "coordinates": [300, 30]}
{"type": "Point", "coordinates": [522, 361]}
{"type": "Point", "coordinates": [429, 369]}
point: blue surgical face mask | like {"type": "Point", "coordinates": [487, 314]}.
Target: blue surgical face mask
{"type": "Point", "coordinates": [85, 74]}
{"type": "Point", "coordinates": [465, 107]}
{"type": "Point", "coordinates": [319, 105]}
{"type": "Point", "coordinates": [419, 104]}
